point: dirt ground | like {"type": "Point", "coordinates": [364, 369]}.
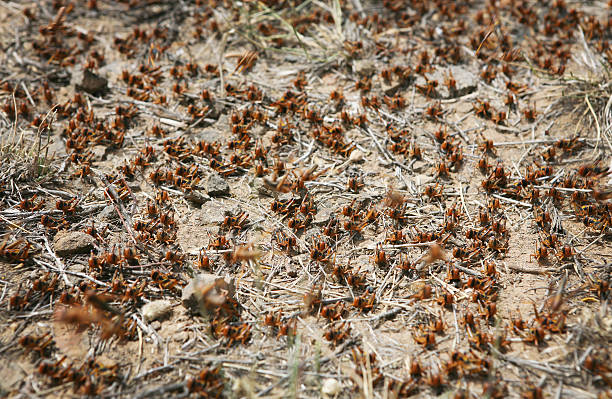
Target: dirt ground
{"type": "Point", "coordinates": [334, 199]}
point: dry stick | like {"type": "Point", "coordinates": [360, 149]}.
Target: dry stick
{"type": "Point", "coordinates": [512, 201]}
{"type": "Point", "coordinates": [114, 197]}
{"type": "Point", "coordinates": [58, 262]}
{"type": "Point", "coordinates": [559, 390]}
{"type": "Point", "coordinates": [384, 282]}
{"type": "Point", "coordinates": [469, 271]}
{"type": "Point", "coordinates": [386, 315]}
{"type": "Point", "coordinates": [532, 364]}
{"type": "Point", "coordinates": [408, 245]}
{"type": "Point", "coordinates": [457, 336]}
{"type": "Point", "coordinates": [152, 333]}
{"type": "Point", "coordinates": [15, 225]}
{"type": "Point", "coordinates": [463, 202]}
{"type": "Point", "coordinates": [220, 62]}
{"type": "Point", "coordinates": [583, 250]}
{"type": "Point", "coordinates": [82, 275]}
{"type": "Point", "coordinates": [155, 370]}
{"type": "Point", "coordinates": [139, 349]}
{"type": "Point", "coordinates": [161, 390]}
{"type": "Point", "coordinates": [532, 271]}
{"type": "Point", "coordinates": [388, 157]}
{"type": "Point", "coordinates": [306, 155]}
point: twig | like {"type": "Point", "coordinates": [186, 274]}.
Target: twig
{"type": "Point", "coordinates": [586, 98]}
{"type": "Point", "coordinates": [155, 370]}
{"type": "Point", "coordinates": [469, 271]}
{"type": "Point", "coordinates": [463, 202]}
{"type": "Point", "coordinates": [58, 262]}
{"type": "Point", "coordinates": [512, 201]}
{"type": "Point", "coordinates": [386, 315]}
{"type": "Point", "coordinates": [110, 191]}
{"type": "Point", "coordinates": [531, 271]}
{"type": "Point", "coordinates": [160, 390]}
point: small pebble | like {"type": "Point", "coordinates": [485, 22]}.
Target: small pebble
{"type": "Point", "coordinates": [331, 387]}
{"type": "Point", "coordinates": [356, 156]}
{"type": "Point", "coordinates": [156, 310]}
{"type": "Point", "coordinates": [181, 336]}
{"type": "Point", "coordinates": [72, 243]}
{"type": "Point", "coordinates": [217, 186]}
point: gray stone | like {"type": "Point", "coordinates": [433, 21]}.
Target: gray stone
{"type": "Point", "coordinates": [134, 186]}
{"type": "Point", "coordinates": [390, 88]}
{"type": "Point", "coordinates": [156, 325]}
{"type": "Point", "coordinates": [93, 83]}
{"type": "Point", "coordinates": [213, 213]}
{"type": "Point", "coordinates": [325, 210]}
{"type": "Point", "coordinates": [217, 186]}
{"type": "Point", "coordinates": [72, 243]}
{"type": "Point", "coordinates": [216, 110]}
{"type": "Point", "coordinates": [364, 67]}
{"type": "Point", "coordinates": [57, 147]}
{"type": "Point", "coordinates": [209, 136]}
{"type": "Point", "coordinates": [156, 310]}
{"type": "Point", "coordinates": [259, 187]}
{"type": "Point", "coordinates": [194, 232]}
{"type": "Point", "coordinates": [330, 388]}
{"type": "Point", "coordinates": [466, 81]}
{"type": "Point", "coordinates": [181, 336]}
{"type": "Point", "coordinates": [12, 376]}
{"type": "Point", "coordinates": [108, 213]}
{"type": "Point", "coordinates": [99, 152]}
{"type": "Point", "coordinates": [197, 197]}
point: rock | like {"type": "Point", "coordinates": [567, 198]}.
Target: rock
{"type": "Point", "coordinates": [99, 152]}
{"type": "Point", "coordinates": [194, 233]}
{"type": "Point", "coordinates": [466, 81]}
{"type": "Point", "coordinates": [92, 83]}
{"type": "Point", "coordinates": [330, 387]}
{"type": "Point", "coordinates": [77, 268]}
{"type": "Point", "coordinates": [180, 336]}
{"type": "Point", "coordinates": [259, 187]}
{"type": "Point", "coordinates": [197, 197]}
{"type": "Point", "coordinates": [206, 292]}
{"type": "Point", "coordinates": [72, 243]}
{"type": "Point", "coordinates": [156, 325]}
{"type": "Point", "coordinates": [12, 377]}
{"type": "Point", "coordinates": [134, 186]}
{"type": "Point", "coordinates": [57, 147]}
{"type": "Point", "coordinates": [108, 213]}
{"type": "Point", "coordinates": [213, 213]}
{"type": "Point", "coordinates": [325, 211]}
{"type": "Point", "coordinates": [156, 310]}
{"type": "Point", "coordinates": [216, 110]}
{"type": "Point", "coordinates": [364, 67]}
{"type": "Point", "coordinates": [210, 136]}
{"type": "Point", "coordinates": [356, 156]}
{"type": "Point", "coordinates": [189, 297]}
{"type": "Point", "coordinates": [216, 186]}
{"type": "Point", "coordinates": [390, 88]}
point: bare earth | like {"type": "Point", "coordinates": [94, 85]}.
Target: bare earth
{"type": "Point", "coordinates": [334, 199]}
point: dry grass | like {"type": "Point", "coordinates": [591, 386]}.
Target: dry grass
{"type": "Point", "coordinates": [380, 235]}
